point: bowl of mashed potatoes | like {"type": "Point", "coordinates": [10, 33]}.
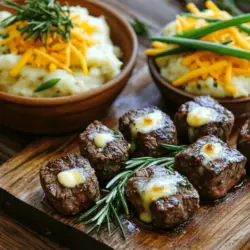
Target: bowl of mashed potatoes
{"type": "Point", "coordinates": [182, 76]}
{"type": "Point", "coordinates": [55, 84]}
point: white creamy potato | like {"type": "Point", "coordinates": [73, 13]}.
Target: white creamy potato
{"type": "Point", "coordinates": [171, 68]}
{"type": "Point", "coordinates": [102, 60]}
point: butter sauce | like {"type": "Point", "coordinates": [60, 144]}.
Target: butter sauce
{"type": "Point", "coordinates": [156, 188]}
{"type": "Point", "coordinates": [71, 178]}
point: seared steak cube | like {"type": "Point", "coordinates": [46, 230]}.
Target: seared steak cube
{"type": "Point", "coordinates": [203, 116]}
{"type": "Point", "coordinates": [162, 197]}
{"type": "Point", "coordinates": [105, 149]}
{"type": "Point", "coordinates": [146, 129]}
{"type": "Point", "coordinates": [211, 166]}
{"type": "Point", "coordinates": [243, 143]}
{"type": "Point", "coordinates": [70, 184]}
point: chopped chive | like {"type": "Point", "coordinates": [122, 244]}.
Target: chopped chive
{"type": "Point", "coordinates": [47, 85]}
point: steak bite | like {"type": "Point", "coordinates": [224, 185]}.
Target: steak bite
{"type": "Point", "coordinates": [211, 166]}
{"type": "Point", "coordinates": [243, 143]}
{"type": "Point", "coordinates": [105, 149]}
{"type": "Point", "coordinates": [146, 129]}
{"type": "Point", "coordinates": [70, 184]}
{"type": "Point", "coordinates": [203, 116]}
{"type": "Point", "coordinates": [162, 197]}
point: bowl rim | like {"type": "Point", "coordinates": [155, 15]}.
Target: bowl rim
{"type": "Point", "coordinates": [155, 72]}
{"type": "Point", "coordinates": [53, 101]}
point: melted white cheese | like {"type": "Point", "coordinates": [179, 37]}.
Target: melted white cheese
{"type": "Point", "coordinates": [101, 139]}
{"type": "Point", "coordinates": [71, 178]}
{"type": "Point", "coordinates": [147, 123]}
{"type": "Point", "coordinates": [155, 189]}
{"type": "Point", "coordinates": [200, 116]}
{"type": "Point", "coordinates": [211, 151]}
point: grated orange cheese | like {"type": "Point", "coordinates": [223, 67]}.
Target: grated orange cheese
{"type": "Point", "coordinates": [57, 54]}
{"type": "Point", "coordinates": [204, 64]}
{"type": "Point", "coordinates": [193, 9]}
{"type": "Point", "coordinates": [210, 5]}
{"type": "Point", "coordinates": [199, 72]}
{"type": "Point", "coordinates": [80, 57]}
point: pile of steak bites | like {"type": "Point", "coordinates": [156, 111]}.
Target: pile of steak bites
{"type": "Point", "coordinates": [207, 169]}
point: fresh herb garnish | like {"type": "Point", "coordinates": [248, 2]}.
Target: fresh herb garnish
{"type": "Point", "coordinates": [108, 208]}
{"type": "Point", "coordinates": [47, 85]}
{"type": "Point", "coordinates": [140, 28]}
{"type": "Point", "coordinates": [43, 17]}
{"type": "Point", "coordinates": [117, 134]}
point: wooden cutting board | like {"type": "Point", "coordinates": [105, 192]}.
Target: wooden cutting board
{"type": "Point", "coordinates": [222, 225]}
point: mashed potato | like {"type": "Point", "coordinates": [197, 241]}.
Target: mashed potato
{"type": "Point", "coordinates": [171, 68]}
{"type": "Point", "coordinates": [102, 60]}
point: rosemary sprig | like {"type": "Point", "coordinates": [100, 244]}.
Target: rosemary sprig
{"type": "Point", "coordinates": [108, 208]}
{"type": "Point", "coordinates": [42, 16]}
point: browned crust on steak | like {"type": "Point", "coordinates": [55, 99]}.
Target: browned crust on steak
{"type": "Point", "coordinates": [243, 143]}
{"type": "Point", "coordinates": [107, 161]}
{"type": "Point", "coordinates": [148, 144]}
{"type": "Point", "coordinates": [167, 212]}
{"type": "Point", "coordinates": [216, 178]}
{"type": "Point", "coordinates": [220, 127]}
{"type": "Point", "coordinates": [69, 201]}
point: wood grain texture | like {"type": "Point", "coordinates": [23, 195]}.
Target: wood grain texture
{"type": "Point", "coordinates": [13, 235]}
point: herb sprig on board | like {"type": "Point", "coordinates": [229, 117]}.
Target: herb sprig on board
{"type": "Point", "coordinates": [109, 207]}
{"type": "Point", "coordinates": [42, 16]}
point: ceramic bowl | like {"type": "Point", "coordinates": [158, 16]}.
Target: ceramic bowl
{"type": "Point", "coordinates": [239, 106]}
{"type": "Point", "coordinates": [70, 113]}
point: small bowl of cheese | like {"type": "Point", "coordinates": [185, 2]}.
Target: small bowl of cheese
{"type": "Point", "coordinates": [60, 73]}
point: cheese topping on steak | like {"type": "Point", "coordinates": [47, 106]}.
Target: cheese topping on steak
{"type": "Point", "coordinates": [211, 151]}
{"type": "Point", "coordinates": [147, 123]}
{"type": "Point", "coordinates": [155, 189]}
{"type": "Point", "coordinates": [101, 139]}
{"type": "Point", "coordinates": [71, 178]}
{"type": "Point", "coordinates": [200, 116]}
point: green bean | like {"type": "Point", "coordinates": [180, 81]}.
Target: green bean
{"type": "Point", "coordinates": [181, 50]}
{"type": "Point", "coordinates": [202, 45]}
{"type": "Point", "coordinates": [197, 33]}
{"type": "Point", "coordinates": [242, 27]}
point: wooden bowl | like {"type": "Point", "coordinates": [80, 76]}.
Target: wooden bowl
{"type": "Point", "coordinates": [65, 114]}
{"type": "Point", "coordinates": [239, 106]}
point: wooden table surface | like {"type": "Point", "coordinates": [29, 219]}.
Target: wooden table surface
{"type": "Point", "coordinates": [156, 13]}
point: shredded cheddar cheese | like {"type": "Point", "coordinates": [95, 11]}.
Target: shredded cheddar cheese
{"type": "Point", "coordinates": [57, 54]}
{"type": "Point", "coordinates": [193, 9]}
{"type": "Point", "coordinates": [204, 64]}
